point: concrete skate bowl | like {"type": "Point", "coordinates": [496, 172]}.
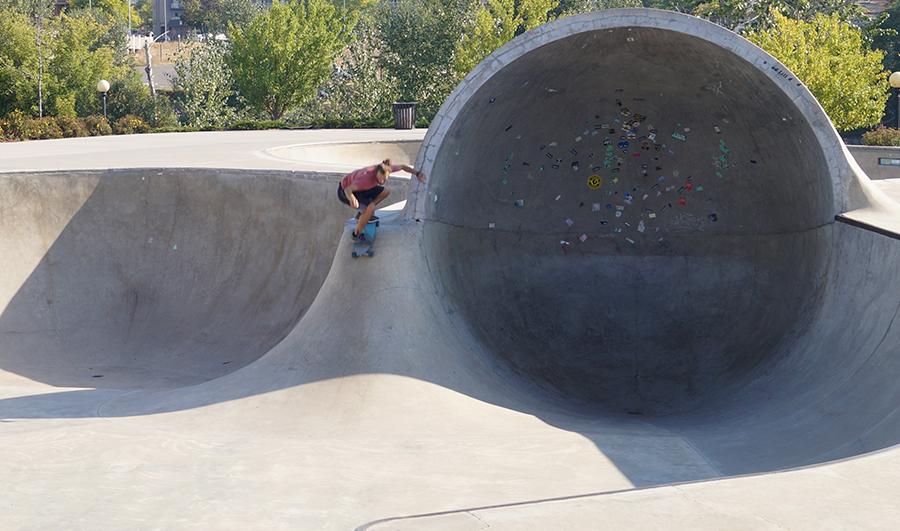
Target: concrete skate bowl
{"type": "Point", "coordinates": [651, 230]}
{"type": "Point", "coordinates": [157, 278]}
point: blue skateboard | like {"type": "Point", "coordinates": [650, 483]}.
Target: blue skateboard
{"type": "Point", "coordinates": [360, 249]}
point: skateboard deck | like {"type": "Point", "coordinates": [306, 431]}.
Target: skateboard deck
{"type": "Point", "coordinates": [360, 249]}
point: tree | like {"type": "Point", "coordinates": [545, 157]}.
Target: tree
{"type": "Point", "coordinates": [142, 15]}
{"type": "Point", "coordinates": [418, 41]}
{"type": "Point", "coordinates": [207, 85]}
{"type": "Point", "coordinates": [213, 16]}
{"type": "Point", "coordinates": [357, 88]}
{"type": "Point", "coordinates": [835, 62]}
{"type": "Point", "coordinates": [19, 63]}
{"type": "Point", "coordinates": [80, 59]}
{"type": "Point", "coordinates": [757, 15]}
{"type": "Point", "coordinates": [127, 95]}
{"type": "Point", "coordinates": [52, 65]}
{"type": "Point", "coordinates": [494, 24]}
{"type": "Point", "coordinates": [286, 53]}
{"type": "Point", "coordinates": [117, 10]}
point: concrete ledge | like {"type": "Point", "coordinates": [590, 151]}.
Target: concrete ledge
{"type": "Point", "coordinates": [868, 158]}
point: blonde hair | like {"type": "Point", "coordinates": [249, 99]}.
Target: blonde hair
{"type": "Point", "coordinates": [384, 167]}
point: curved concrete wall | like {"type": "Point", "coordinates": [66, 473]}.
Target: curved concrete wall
{"type": "Point", "coordinates": [157, 278]}
{"type": "Point", "coordinates": [627, 206]}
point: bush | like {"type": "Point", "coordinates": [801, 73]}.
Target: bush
{"type": "Point", "coordinates": [176, 129]}
{"type": "Point", "coordinates": [97, 125]}
{"type": "Point", "coordinates": [249, 125]}
{"type": "Point", "coordinates": [19, 126]}
{"type": "Point", "coordinates": [130, 124]}
{"type": "Point", "coordinates": [41, 128]}
{"type": "Point", "coordinates": [14, 124]}
{"type": "Point", "coordinates": [882, 136]}
{"type": "Point", "coordinates": [71, 127]}
{"type": "Point", "coordinates": [354, 123]}
{"type": "Point", "coordinates": [129, 96]}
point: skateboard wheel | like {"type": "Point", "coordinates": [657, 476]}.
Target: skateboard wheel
{"type": "Point", "coordinates": [371, 253]}
{"type": "Point", "coordinates": [377, 223]}
{"type": "Point", "coordinates": [353, 254]}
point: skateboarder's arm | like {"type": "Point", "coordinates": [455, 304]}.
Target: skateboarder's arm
{"type": "Point", "coordinates": [410, 169]}
{"type": "Point", "coordinates": [348, 191]}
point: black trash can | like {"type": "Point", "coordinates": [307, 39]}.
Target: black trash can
{"type": "Point", "coordinates": [405, 115]}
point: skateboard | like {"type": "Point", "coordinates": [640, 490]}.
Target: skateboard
{"type": "Point", "coordinates": [360, 249]}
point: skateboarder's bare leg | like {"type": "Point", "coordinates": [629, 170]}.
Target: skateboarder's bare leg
{"type": "Point", "coordinates": [366, 214]}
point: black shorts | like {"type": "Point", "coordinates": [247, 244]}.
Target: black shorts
{"type": "Point", "coordinates": [363, 196]}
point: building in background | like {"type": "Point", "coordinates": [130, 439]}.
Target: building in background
{"type": "Point", "coordinates": [167, 18]}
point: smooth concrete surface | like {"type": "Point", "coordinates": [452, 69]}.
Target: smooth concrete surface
{"type": "Point", "coordinates": [359, 154]}
{"type": "Point", "coordinates": [679, 243]}
{"type": "Point", "coordinates": [242, 371]}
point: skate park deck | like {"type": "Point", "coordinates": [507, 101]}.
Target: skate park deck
{"type": "Point", "coordinates": [188, 345]}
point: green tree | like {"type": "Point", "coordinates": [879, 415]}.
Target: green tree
{"type": "Point", "coordinates": [835, 62]}
{"type": "Point", "coordinates": [494, 24]}
{"type": "Point", "coordinates": [127, 95]}
{"type": "Point", "coordinates": [144, 11]}
{"type": "Point", "coordinates": [19, 63]}
{"type": "Point", "coordinates": [357, 88]}
{"type": "Point", "coordinates": [286, 53]}
{"type": "Point", "coordinates": [80, 59]}
{"type": "Point", "coordinates": [206, 84]}
{"type": "Point", "coordinates": [418, 41]}
{"type": "Point", "coordinates": [52, 65]}
{"type": "Point", "coordinates": [213, 16]}
{"type": "Point", "coordinates": [115, 9]}
{"type": "Point", "coordinates": [742, 16]}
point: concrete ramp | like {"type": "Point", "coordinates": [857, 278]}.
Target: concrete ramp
{"type": "Point", "coordinates": [643, 258]}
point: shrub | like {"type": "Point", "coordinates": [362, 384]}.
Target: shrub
{"type": "Point", "coordinates": [71, 127]}
{"type": "Point", "coordinates": [19, 126]}
{"type": "Point", "coordinates": [14, 124]}
{"type": "Point", "coordinates": [249, 125]}
{"type": "Point", "coordinates": [41, 128]}
{"type": "Point", "coordinates": [130, 124]}
{"type": "Point", "coordinates": [882, 136]}
{"type": "Point", "coordinates": [129, 96]}
{"type": "Point", "coordinates": [353, 123]}
{"type": "Point", "coordinates": [97, 125]}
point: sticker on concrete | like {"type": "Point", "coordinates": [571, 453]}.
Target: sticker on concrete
{"type": "Point", "coordinates": [594, 182]}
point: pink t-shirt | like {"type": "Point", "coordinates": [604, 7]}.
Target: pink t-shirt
{"type": "Point", "coordinates": [364, 179]}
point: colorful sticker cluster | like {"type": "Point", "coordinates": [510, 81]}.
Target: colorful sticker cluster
{"type": "Point", "coordinates": [631, 185]}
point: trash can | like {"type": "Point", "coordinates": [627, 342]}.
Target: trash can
{"type": "Point", "coordinates": [405, 115]}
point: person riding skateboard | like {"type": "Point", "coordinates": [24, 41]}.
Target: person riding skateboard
{"type": "Point", "coordinates": [363, 189]}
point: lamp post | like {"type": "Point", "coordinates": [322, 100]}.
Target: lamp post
{"type": "Point", "coordinates": [895, 82]}
{"type": "Point", "coordinates": [103, 88]}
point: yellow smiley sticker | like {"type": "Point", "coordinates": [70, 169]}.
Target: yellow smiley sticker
{"type": "Point", "coordinates": [594, 182]}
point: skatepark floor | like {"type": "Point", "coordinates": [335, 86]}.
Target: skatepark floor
{"type": "Point", "coordinates": [186, 343]}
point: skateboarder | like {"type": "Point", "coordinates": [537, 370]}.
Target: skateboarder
{"type": "Point", "coordinates": [363, 189]}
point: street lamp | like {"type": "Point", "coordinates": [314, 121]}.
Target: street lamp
{"type": "Point", "coordinates": [103, 88]}
{"type": "Point", "coordinates": [895, 82]}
